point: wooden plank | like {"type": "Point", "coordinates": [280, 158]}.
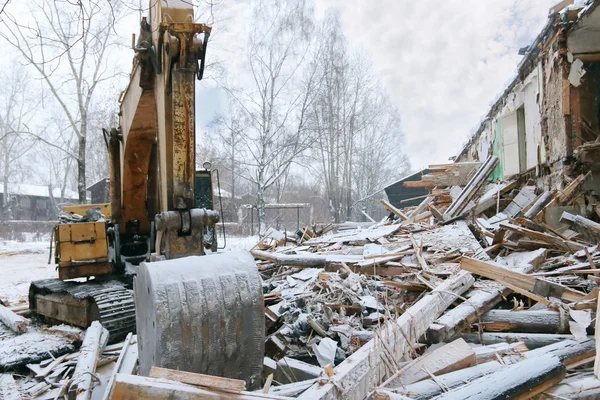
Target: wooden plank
{"type": "Point", "coordinates": [134, 387]}
{"type": "Point", "coordinates": [355, 377]}
{"type": "Point", "coordinates": [540, 204]}
{"type": "Point", "coordinates": [393, 210]}
{"type": "Point", "coordinates": [291, 370]}
{"type": "Point", "coordinates": [215, 382]}
{"type": "Point", "coordinates": [429, 388]}
{"type": "Point", "coordinates": [471, 189]}
{"type": "Point", "coordinates": [91, 348]}
{"type": "Point", "coordinates": [419, 254]}
{"type": "Point", "coordinates": [44, 372]}
{"type": "Point", "coordinates": [415, 214]}
{"type": "Point", "coordinates": [517, 381]}
{"type": "Point", "coordinates": [450, 357]}
{"type": "Point", "coordinates": [110, 385]}
{"type": "Point", "coordinates": [493, 351]}
{"type": "Point", "coordinates": [531, 340]}
{"type": "Point", "coordinates": [418, 184]}
{"type": "Point", "coordinates": [533, 287]}
{"type": "Point", "coordinates": [567, 192]}
{"type": "Point", "coordinates": [552, 240]}
{"type": "Point", "coordinates": [568, 351]}
{"type": "Point", "coordinates": [586, 387]}
{"type": "Point", "coordinates": [15, 322]}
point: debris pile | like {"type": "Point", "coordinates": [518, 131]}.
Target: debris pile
{"type": "Point", "coordinates": [477, 281]}
{"type": "Point", "coordinates": [483, 290]}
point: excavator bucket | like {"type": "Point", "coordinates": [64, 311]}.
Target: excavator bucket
{"type": "Point", "coordinates": [202, 314]}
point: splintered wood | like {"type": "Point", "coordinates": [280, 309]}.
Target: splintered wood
{"type": "Point", "coordinates": [509, 325]}
{"type": "Point", "coordinates": [481, 291]}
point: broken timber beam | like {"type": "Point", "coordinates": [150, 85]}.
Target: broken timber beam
{"type": "Point", "coordinates": [527, 285]}
{"type": "Point", "coordinates": [538, 321]}
{"type": "Point", "coordinates": [465, 314]}
{"type": "Point", "coordinates": [393, 210]}
{"type": "Point", "coordinates": [360, 372]}
{"type": "Point", "coordinates": [520, 380]}
{"type": "Point", "coordinates": [94, 341]}
{"type": "Point", "coordinates": [429, 388]}
{"type": "Point", "coordinates": [191, 378]}
{"type": "Point", "coordinates": [415, 215]}
{"type": "Point", "coordinates": [294, 260]}
{"type": "Point", "coordinates": [471, 189]}
{"type": "Point", "coordinates": [531, 340]}
{"type": "Point", "coordinates": [450, 357]}
{"type": "Point", "coordinates": [540, 204]}
{"type": "Point", "coordinates": [478, 303]}
{"type": "Point", "coordinates": [567, 351]}
{"type": "Point", "coordinates": [554, 241]}
{"type": "Point", "coordinates": [117, 367]}
{"type": "Point", "coordinates": [13, 321]}
{"type": "Point", "coordinates": [588, 228]}
{"type": "Point", "coordinates": [135, 387]}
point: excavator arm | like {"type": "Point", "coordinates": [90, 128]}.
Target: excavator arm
{"type": "Point", "coordinates": [156, 166]}
{"type": "Point", "coordinates": [199, 314]}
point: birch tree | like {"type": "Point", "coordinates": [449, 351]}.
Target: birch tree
{"type": "Point", "coordinates": [357, 129]}
{"type": "Point", "coordinates": [17, 108]}
{"type": "Point", "coordinates": [68, 46]}
{"type": "Point", "coordinates": [278, 94]}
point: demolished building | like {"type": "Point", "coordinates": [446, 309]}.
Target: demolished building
{"type": "Point", "coordinates": [467, 290]}
{"type": "Point", "coordinates": [546, 118]}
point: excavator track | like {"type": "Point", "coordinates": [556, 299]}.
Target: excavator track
{"type": "Point", "coordinates": [80, 303]}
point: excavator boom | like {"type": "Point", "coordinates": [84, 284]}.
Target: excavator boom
{"type": "Point", "coordinates": [200, 314]}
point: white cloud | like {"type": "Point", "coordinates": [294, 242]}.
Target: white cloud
{"type": "Point", "coordinates": [443, 62]}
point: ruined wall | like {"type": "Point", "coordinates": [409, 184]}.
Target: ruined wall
{"type": "Point", "coordinates": [553, 125]}
{"type": "Point", "coordinates": [527, 93]}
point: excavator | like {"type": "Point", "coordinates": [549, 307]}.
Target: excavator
{"type": "Point", "coordinates": [139, 263]}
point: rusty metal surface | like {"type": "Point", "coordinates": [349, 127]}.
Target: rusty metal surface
{"type": "Point", "coordinates": [184, 131]}
{"type": "Point", "coordinates": [202, 314]}
{"type": "Point", "coordinates": [138, 143]}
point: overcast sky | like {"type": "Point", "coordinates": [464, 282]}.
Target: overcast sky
{"type": "Point", "coordinates": [443, 61]}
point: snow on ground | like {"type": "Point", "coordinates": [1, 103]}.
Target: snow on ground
{"type": "Point", "coordinates": [239, 243]}
{"type": "Point", "coordinates": [23, 262]}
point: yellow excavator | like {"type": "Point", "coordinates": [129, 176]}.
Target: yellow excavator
{"type": "Point", "coordinates": [199, 314]}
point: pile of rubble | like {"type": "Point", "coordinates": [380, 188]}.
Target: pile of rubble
{"type": "Point", "coordinates": [441, 298]}
{"type": "Point", "coordinates": [482, 291]}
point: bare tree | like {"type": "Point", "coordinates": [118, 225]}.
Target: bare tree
{"type": "Point", "coordinates": [82, 36]}
{"type": "Point", "coordinates": [227, 131]}
{"type": "Point", "coordinates": [278, 95]}
{"type": "Point", "coordinates": [17, 107]}
{"type": "Point", "coordinates": [355, 125]}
